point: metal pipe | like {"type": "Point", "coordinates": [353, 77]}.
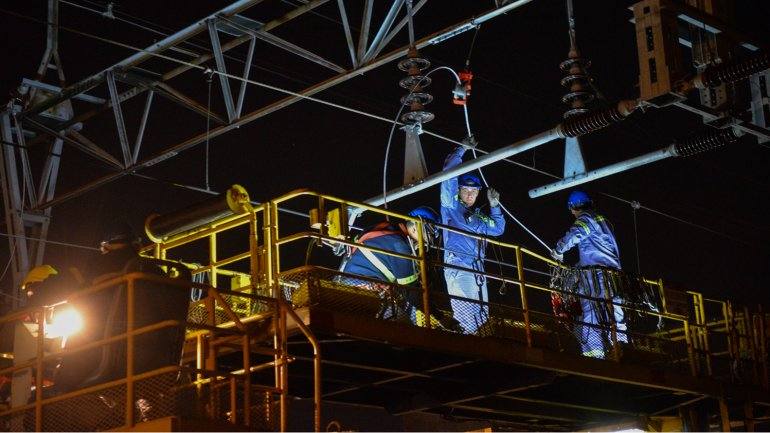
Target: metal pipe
{"type": "Point", "coordinates": [578, 179]}
{"type": "Point", "coordinates": [482, 161]}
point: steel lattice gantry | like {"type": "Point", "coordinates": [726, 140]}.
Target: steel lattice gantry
{"type": "Point", "coordinates": [44, 112]}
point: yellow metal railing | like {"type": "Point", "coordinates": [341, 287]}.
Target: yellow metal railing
{"type": "Point", "coordinates": [46, 411]}
{"type": "Point", "coordinates": [264, 258]}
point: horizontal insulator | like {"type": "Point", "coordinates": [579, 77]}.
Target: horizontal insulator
{"type": "Point", "coordinates": [730, 73]}
{"type": "Point", "coordinates": [705, 142]}
{"type": "Point", "coordinates": [576, 126]}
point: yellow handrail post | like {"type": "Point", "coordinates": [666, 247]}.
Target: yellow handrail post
{"type": "Point", "coordinates": [423, 274]}
{"type": "Point", "coordinates": [213, 259]}
{"type": "Point", "coordinates": [130, 353]}
{"type": "Point", "coordinates": [705, 334]}
{"type": "Point", "coordinates": [268, 243]}
{"type": "Point", "coordinates": [233, 400]}
{"type": "Point", "coordinates": [724, 415]}
{"type": "Point", "coordinates": [751, 342]}
{"type": "Point", "coordinates": [284, 373]}
{"type": "Point", "coordinates": [690, 354]}
{"type": "Point", "coordinates": [763, 347]}
{"type": "Point", "coordinates": [39, 373]}
{"type": "Point", "coordinates": [523, 291]}
{"type": "Point", "coordinates": [276, 254]}
{"type": "Point", "coordinates": [253, 254]}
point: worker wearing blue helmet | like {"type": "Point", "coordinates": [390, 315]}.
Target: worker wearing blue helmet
{"type": "Point", "coordinates": [462, 253]}
{"type": "Point", "coordinates": [592, 233]}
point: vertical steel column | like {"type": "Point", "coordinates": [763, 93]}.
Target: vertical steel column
{"type": "Point", "coordinates": [14, 207]}
{"type": "Point", "coordinates": [724, 414]}
{"type": "Point", "coordinates": [524, 299]}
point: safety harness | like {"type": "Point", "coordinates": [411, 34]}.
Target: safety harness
{"type": "Point", "coordinates": [382, 229]}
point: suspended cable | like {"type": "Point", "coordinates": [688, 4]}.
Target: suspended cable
{"type": "Point", "coordinates": [209, 75]}
{"type": "Point", "coordinates": [634, 208]}
{"type": "Point", "coordinates": [45, 241]}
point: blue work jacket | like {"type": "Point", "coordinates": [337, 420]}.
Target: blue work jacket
{"type": "Point", "coordinates": [386, 237]}
{"type": "Point", "coordinates": [593, 235]}
{"type": "Point", "coordinates": [461, 250]}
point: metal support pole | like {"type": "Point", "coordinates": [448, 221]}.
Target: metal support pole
{"type": "Point", "coordinates": [724, 415]}
{"type": "Point", "coordinates": [524, 299]}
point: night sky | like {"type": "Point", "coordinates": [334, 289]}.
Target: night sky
{"type": "Point", "coordinates": [516, 94]}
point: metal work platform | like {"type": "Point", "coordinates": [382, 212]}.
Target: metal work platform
{"type": "Point", "coordinates": [329, 350]}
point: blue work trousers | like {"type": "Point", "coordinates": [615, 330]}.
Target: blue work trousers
{"type": "Point", "coordinates": [463, 284]}
{"type": "Point", "coordinates": [595, 335]}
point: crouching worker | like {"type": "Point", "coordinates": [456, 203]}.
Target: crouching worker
{"type": "Point", "coordinates": [398, 238]}
{"type": "Point", "coordinates": [592, 233]}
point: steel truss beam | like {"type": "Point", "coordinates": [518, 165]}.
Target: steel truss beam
{"type": "Point", "coordinates": [195, 29]}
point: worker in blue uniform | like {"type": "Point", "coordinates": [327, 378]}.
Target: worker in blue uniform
{"type": "Point", "coordinates": [592, 233]}
{"type": "Point", "coordinates": [398, 238]}
{"type": "Point", "coordinates": [465, 254]}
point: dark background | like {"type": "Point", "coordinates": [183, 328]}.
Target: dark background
{"type": "Point", "coordinates": [516, 93]}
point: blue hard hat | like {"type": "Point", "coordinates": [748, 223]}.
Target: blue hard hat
{"type": "Point", "coordinates": [578, 199]}
{"type": "Point", "coordinates": [469, 180]}
{"type": "Point", "coordinates": [425, 213]}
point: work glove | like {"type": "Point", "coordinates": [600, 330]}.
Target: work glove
{"type": "Point", "coordinates": [493, 197]}
{"type": "Point", "coordinates": [470, 142]}
{"type": "Point", "coordinates": [557, 256]}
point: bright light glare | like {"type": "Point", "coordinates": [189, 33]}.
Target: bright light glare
{"type": "Point", "coordinates": [66, 321]}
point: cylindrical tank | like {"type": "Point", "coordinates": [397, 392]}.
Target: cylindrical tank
{"type": "Point", "coordinates": [234, 201]}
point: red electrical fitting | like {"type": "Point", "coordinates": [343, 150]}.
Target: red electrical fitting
{"type": "Point", "coordinates": [463, 90]}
